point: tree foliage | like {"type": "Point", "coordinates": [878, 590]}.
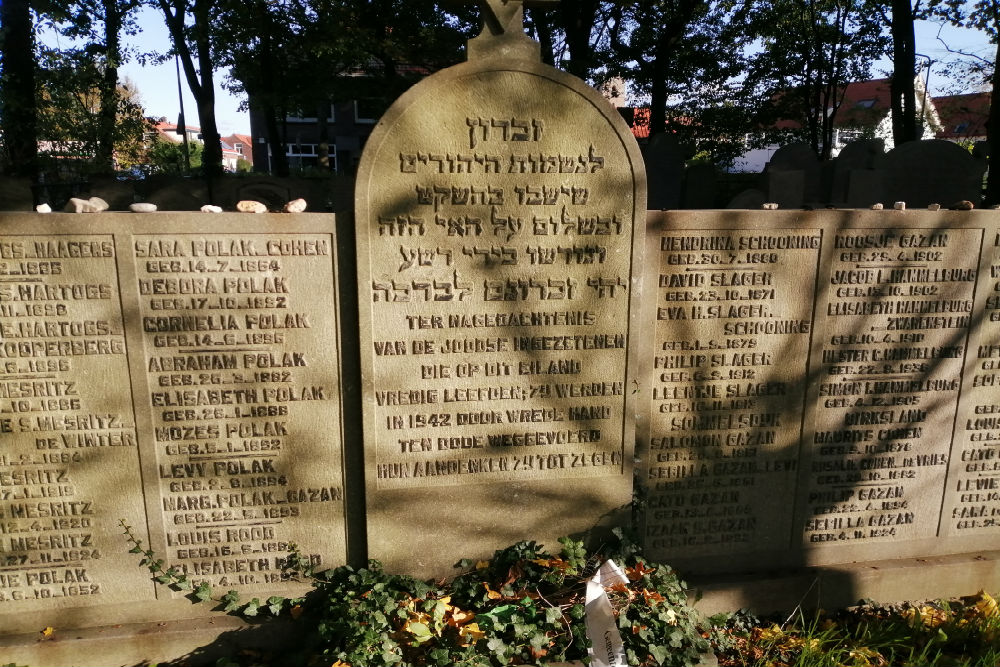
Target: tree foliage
{"type": "Point", "coordinates": [72, 113]}
{"type": "Point", "coordinates": [167, 157]}
{"type": "Point", "coordinates": [295, 56]}
{"type": "Point", "coordinates": [709, 71]}
{"type": "Point", "coordinates": [982, 15]}
{"type": "Point", "coordinates": [985, 16]}
{"type": "Point", "coordinates": [809, 51]}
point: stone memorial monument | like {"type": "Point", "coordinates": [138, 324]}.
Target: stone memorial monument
{"type": "Point", "coordinates": [498, 277]}
{"type": "Point", "coordinates": [181, 380]}
{"type": "Point", "coordinates": [822, 392]}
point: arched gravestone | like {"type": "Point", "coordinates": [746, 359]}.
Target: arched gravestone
{"type": "Point", "coordinates": [934, 171]}
{"type": "Point", "coordinates": [496, 203]}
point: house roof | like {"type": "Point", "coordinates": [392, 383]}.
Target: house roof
{"type": "Point", "coordinates": [637, 119]}
{"type": "Point", "coordinates": [239, 138]}
{"type": "Point", "coordinates": [165, 127]}
{"type": "Point", "coordinates": [963, 116]}
{"type": "Point", "coordinates": [864, 104]}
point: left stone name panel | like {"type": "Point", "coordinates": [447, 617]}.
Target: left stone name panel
{"type": "Point", "coordinates": [178, 376]}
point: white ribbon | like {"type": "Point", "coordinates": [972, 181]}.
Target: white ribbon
{"type": "Point", "coordinates": [606, 648]}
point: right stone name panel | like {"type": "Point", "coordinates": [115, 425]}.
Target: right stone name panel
{"type": "Point", "coordinates": [823, 388]}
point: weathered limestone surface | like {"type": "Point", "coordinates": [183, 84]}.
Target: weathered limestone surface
{"type": "Point", "coordinates": [496, 202]}
{"type": "Point", "coordinates": [820, 388]}
{"type": "Point", "coordinates": [182, 380]}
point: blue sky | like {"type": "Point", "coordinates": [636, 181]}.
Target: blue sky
{"type": "Point", "coordinates": [157, 85]}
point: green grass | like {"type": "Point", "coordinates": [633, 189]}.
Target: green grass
{"type": "Point", "coordinates": [955, 633]}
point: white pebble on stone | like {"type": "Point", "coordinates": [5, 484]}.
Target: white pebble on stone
{"type": "Point", "coordinates": [900, 206]}
{"type": "Point", "coordinates": [98, 204]}
{"type": "Point", "coordinates": [77, 205]}
{"type": "Point", "coordinates": [250, 206]}
{"type": "Point", "coordinates": [211, 208]}
{"type": "Point", "coordinates": [142, 207]}
{"type": "Point", "coordinates": [43, 208]}
{"type": "Point", "coordinates": [934, 207]}
{"type": "Point", "coordinates": [876, 207]}
{"type": "Point", "coordinates": [770, 206]}
{"type": "Point", "coordinates": [295, 206]}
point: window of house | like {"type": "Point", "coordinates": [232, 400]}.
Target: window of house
{"type": "Point", "coordinates": [238, 147]}
{"type": "Point", "coordinates": [865, 104]}
{"type": "Point", "coordinates": [367, 111]}
{"type": "Point", "coordinates": [961, 127]}
{"type": "Point", "coordinates": [301, 156]}
{"type": "Point", "coordinates": [300, 117]}
{"type": "Point", "coordinates": [845, 137]}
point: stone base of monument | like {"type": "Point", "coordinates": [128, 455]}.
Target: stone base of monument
{"type": "Point", "coordinates": [836, 586]}
{"type": "Point", "coordinates": [839, 586]}
{"type": "Point", "coordinates": [190, 642]}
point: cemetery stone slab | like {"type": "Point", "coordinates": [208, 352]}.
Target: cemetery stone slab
{"type": "Point", "coordinates": [862, 155]}
{"type": "Point", "coordinates": [786, 187]}
{"type": "Point", "coordinates": [496, 202]}
{"type": "Point", "coordinates": [933, 171]}
{"type": "Point", "coordinates": [174, 378]}
{"type": "Point", "coordinates": [823, 388]}
{"type": "Point", "coordinates": [797, 157]}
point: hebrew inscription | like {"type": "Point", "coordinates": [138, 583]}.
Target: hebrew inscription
{"type": "Point", "coordinates": [496, 209]}
{"type": "Point", "coordinates": [191, 375]}
{"type": "Point", "coordinates": [499, 301]}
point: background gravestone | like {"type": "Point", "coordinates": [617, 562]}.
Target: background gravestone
{"type": "Point", "coordinates": [701, 186]}
{"type": "Point", "coordinates": [857, 176]}
{"type": "Point", "coordinates": [793, 176]}
{"type": "Point", "coordinates": [934, 171]}
{"type": "Point", "coordinates": [749, 199]}
{"type": "Point", "coordinates": [496, 202]}
{"type": "Point", "coordinates": [15, 194]}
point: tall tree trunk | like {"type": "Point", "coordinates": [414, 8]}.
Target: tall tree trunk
{"type": "Point", "coordinates": [578, 18]}
{"type": "Point", "coordinates": [904, 104]}
{"type": "Point", "coordinates": [323, 132]}
{"type": "Point", "coordinates": [543, 33]}
{"type": "Point", "coordinates": [105, 158]}
{"type": "Point", "coordinates": [993, 137]}
{"type": "Point", "coordinates": [658, 92]}
{"type": "Point", "coordinates": [19, 113]}
{"type": "Point", "coordinates": [212, 157]}
{"type": "Point", "coordinates": [275, 142]}
{"type": "Point", "coordinates": [203, 90]}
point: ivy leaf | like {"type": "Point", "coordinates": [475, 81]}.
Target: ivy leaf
{"type": "Point", "coordinates": [659, 653]}
{"type": "Point", "coordinates": [421, 633]}
{"type": "Point", "coordinates": [203, 592]}
{"type": "Point", "coordinates": [232, 601]}
{"type": "Point", "coordinates": [390, 658]}
{"type": "Point", "coordinates": [164, 578]}
{"type": "Point", "coordinates": [274, 604]}
{"type": "Point", "coordinates": [252, 608]}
